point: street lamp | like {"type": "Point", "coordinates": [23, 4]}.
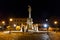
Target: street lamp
{"type": "Point", "coordinates": [45, 25]}
{"type": "Point", "coordinates": [10, 19]}
{"type": "Point", "coordinates": [56, 22]}
{"type": "Point", "coordinates": [3, 22]}
{"type": "Point", "coordinates": [46, 20]}
{"type": "Point", "coordinates": [10, 23]}
{"type": "Point", "coordinates": [14, 25]}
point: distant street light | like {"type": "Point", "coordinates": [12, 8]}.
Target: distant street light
{"type": "Point", "coordinates": [10, 24]}
{"type": "Point", "coordinates": [14, 25]}
{"type": "Point", "coordinates": [56, 22]}
{"type": "Point", "coordinates": [45, 25]}
{"type": "Point", "coordinates": [3, 22]}
{"type": "Point", "coordinates": [10, 19]}
{"type": "Point", "coordinates": [46, 19]}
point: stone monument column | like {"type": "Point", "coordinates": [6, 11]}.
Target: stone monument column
{"type": "Point", "coordinates": [29, 20]}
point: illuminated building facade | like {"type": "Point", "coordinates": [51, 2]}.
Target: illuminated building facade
{"type": "Point", "coordinates": [18, 21]}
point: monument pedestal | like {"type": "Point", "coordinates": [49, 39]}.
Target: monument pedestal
{"type": "Point", "coordinates": [30, 24]}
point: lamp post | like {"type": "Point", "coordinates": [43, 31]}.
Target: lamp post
{"type": "Point", "coordinates": [14, 26]}
{"type": "Point", "coordinates": [46, 26]}
{"type": "Point", "coordinates": [56, 22]}
{"type": "Point", "coordinates": [10, 19]}
{"type": "Point", "coordinates": [3, 22]}
{"type": "Point", "coordinates": [10, 24]}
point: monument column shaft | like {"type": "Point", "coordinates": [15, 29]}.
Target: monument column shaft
{"type": "Point", "coordinates": [29, 14]}
{"type": "Point", "coordinates": [29, 9]}
{"type": "Point", "coordinates": [29, 20]}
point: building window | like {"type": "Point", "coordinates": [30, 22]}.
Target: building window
{"type": "Point", "coordinates": [20, 23]}
{"type": "Point", "coordinates": [20, 20]}
{"type": "Point", "coordinates": [25, 21]}
{"type": "Point", "coordinates": [15, 20]}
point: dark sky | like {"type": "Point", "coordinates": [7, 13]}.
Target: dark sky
{"type": "Point", "coordinates": [40, 9]}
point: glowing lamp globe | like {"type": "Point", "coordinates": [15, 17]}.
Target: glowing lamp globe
{"type": "Point", "coordinates": [45, 25]}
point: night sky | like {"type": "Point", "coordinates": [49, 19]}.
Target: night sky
{"type": "Point", "coordinates": [40, 9]}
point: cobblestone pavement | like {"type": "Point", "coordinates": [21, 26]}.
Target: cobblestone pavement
{"type": "Point", "coordinates": [24, 36]}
